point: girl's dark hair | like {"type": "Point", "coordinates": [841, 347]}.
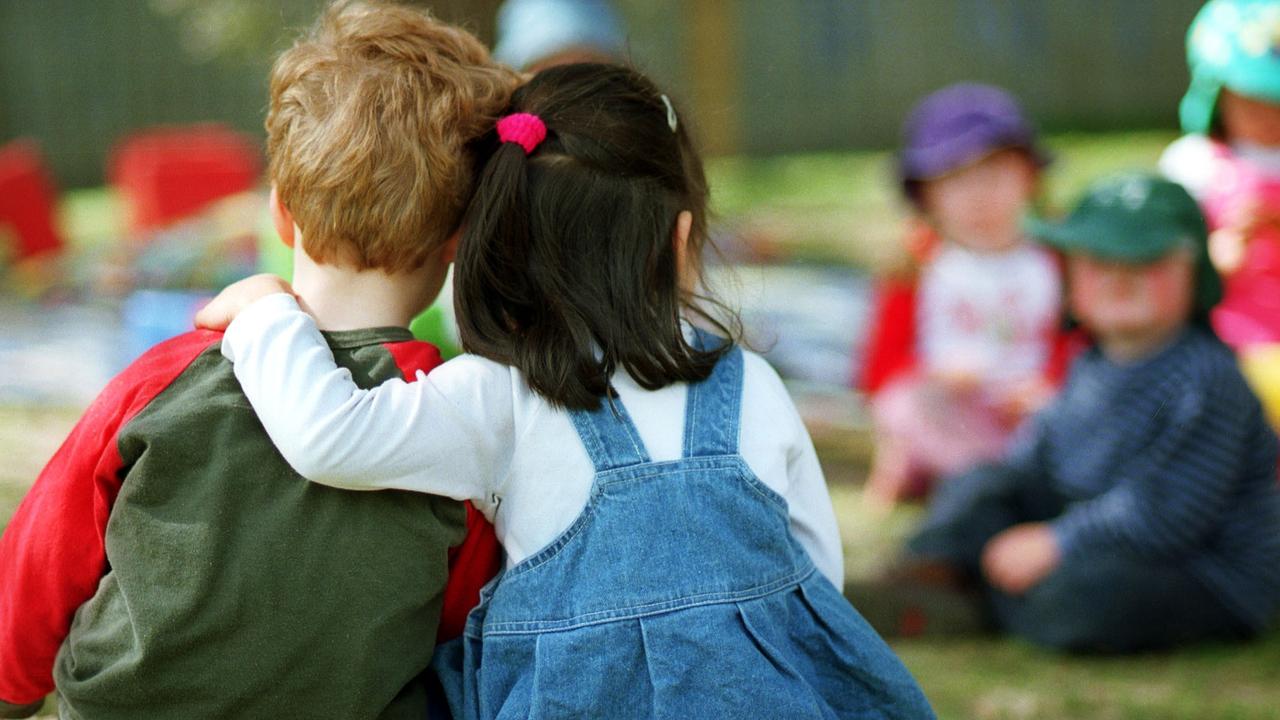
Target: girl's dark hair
{"type": "Point", "coordinates": [567, 268]}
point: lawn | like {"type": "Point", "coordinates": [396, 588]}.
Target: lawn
{"type": "Point", "coordinates": [841, 208]}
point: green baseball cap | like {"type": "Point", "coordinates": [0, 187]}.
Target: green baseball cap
{"type": "Point", "coordinates": [1136, 218]}
{"type": "Point", "coordinates": [1231, 43]}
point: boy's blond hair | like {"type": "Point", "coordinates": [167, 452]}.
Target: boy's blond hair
{"type": "Point", "coordinates": [367, 134]}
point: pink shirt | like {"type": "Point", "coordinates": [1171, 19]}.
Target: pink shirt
{"type": "Point", "coordinates": [1231, 183]}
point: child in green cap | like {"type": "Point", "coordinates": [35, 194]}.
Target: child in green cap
{"type": "Point", "coordinates": [1140, 509]}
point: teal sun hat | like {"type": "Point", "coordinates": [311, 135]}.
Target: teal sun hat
{"type": "Point", "coordinates": [1233, 44]}
{"type": "Point", "coordinates": [1137, 218]}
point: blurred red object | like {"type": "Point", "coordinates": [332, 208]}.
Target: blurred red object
{"type": "Point", "coordinates": [169, 173]}
{"type": "Point", "coordinates": [891, 342]}
{"type": "Point", "coordinates": [27, 200]}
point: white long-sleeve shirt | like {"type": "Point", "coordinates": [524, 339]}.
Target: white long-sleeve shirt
{"type": "Point", "coordinates": [474, 430]}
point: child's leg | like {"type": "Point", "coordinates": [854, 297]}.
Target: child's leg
{"type": "Point", "coordinates": [962, 431]}
{"type": "Point", "coordinates": [936, 589]}
{"type": "Point", "coordinates": [1113, 603]}
{"type": "Point", "coordinates": [895, 411]}
{"type": "Point", "coordinates": [924, 432]}
{"type": "Point", "coordinates": [901, 414]}
{"type": "Point", "coordinates": [890, 477]}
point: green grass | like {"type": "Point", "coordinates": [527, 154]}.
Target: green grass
{"type": "Point", "coordinates": [990, 679]}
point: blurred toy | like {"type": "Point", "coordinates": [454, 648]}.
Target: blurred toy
{"type": "Point", "coordinates": [960, 346]}
{"type": "Point", "coordinates": [167, 274]}
{"type": "Point", "coordinates": [170, 173]}
{"type": "Point", "coordinates": [27, 200]}
{"type": "Point", "coordinates": [1230, 160]}
{"type": "Point", "coordinates": [216, 247]}
{"type": "Point", "coordinates": [152, 316]}
{"type": "Point", "coordinates": [31, 243]}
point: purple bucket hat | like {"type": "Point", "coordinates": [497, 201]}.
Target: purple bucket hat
{"type": "Point", "coordinates": [958, 125]}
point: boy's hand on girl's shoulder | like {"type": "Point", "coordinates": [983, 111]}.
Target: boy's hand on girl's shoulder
{"type": "Point", "coordinates": [234, 298]}
{"type": "Point", "coordinates": [1017, 559]}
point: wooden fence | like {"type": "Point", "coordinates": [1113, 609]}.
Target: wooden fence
{"type": "Point", "coordinates": [762, 76]}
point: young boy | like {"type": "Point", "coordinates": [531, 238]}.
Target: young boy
{"type": "Point", "coordinates": [1140, 510]}
{"type": "Point", "coordinates": [168, 562]}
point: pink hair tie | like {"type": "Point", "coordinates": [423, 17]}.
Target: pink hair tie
{"type": "Point", "coordinates": [523, 129]}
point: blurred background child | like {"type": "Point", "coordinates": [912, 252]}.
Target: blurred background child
{"type": "Point", "coordinates": [538, 34]}
{"type": "Point", "coordinates": [1139, 510]}
{"type": "Point", "coordinates": [958, 355]}
{"type": "Point", "coordinates": [1230, 160]}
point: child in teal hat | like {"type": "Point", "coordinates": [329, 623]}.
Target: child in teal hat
{"type": "Point", "coordinates": [1139, 510]}
{"type": "Point", "coordinates": [1230, 160]}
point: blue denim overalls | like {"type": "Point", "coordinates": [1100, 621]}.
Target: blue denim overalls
{"type": "Point", "coordinates": [679, 593]}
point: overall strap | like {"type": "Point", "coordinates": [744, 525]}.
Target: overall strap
{"type": "Point", "coordinates": [609, 435]}
{"type": "Point", "coordinates": [714, 405]}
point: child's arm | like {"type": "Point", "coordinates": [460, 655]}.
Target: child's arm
{"type": "Point", "coordinates": [451, 433]}
{"type": "Point", "coordinates": [812, 517]}
{"type": "Point", "coordinates": [1175, 493]}
{"type": "Point", "coordinates": [53, 552]}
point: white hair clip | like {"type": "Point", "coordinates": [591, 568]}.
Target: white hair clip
{"type": "Point", "coordinates": [672, 121]}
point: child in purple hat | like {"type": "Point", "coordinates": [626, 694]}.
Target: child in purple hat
{"type": "Point", "coordinates": [963, 358]}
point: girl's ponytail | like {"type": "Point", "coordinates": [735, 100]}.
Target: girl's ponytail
{"type": "Point", "coordinates": [496, 248]}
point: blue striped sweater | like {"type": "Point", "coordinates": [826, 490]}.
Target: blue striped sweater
{"type": "Point", "coordinates": [1169, 459]}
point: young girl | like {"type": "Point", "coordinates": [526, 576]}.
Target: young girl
{"type": "Point", "coordinates": [672, 549]}
{"type": "Point", "coordinates": [959, 356]}
{"type": "Point", "coordinates": [1230, 160]}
